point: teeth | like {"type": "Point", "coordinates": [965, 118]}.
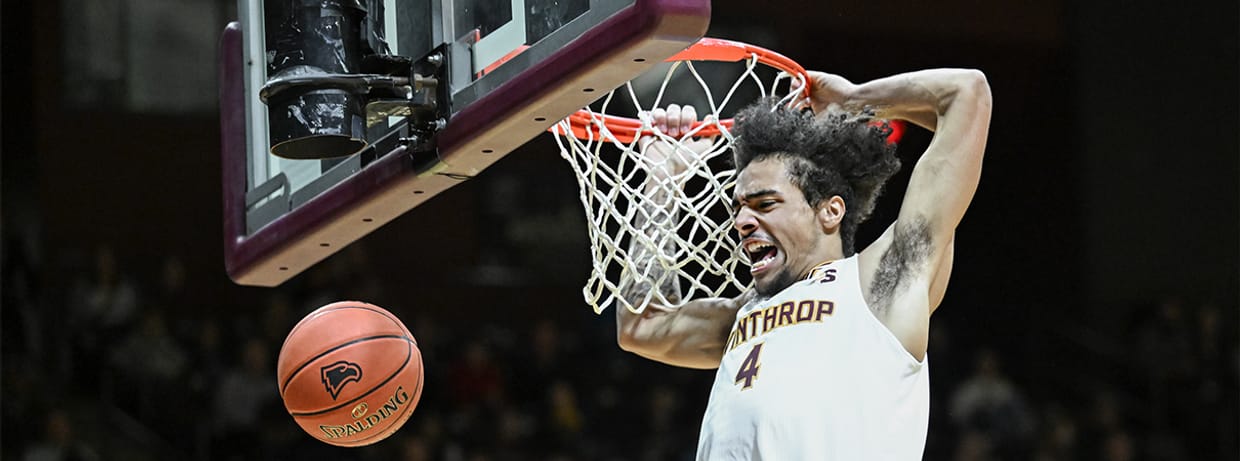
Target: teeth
{"type": "Point", "coordinates": [756, 248]}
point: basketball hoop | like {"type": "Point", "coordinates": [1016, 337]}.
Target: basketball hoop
{"type": "Point", "coordinates": [685, 239]}
{"type": "Point", "coordinates": [586, 123]}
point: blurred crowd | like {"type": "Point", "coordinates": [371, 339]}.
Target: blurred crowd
{"type": "Point", "coordinates": [116, 364]}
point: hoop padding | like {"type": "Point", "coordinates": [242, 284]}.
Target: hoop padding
{"type": "Point", "coordinates": [660, 224]}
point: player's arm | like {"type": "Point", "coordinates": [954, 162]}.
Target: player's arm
{"type": "Point", "coordinates": [693, 334]}
{"type": "Point", "coordinates": [938, 285]}
{"type": "Point", "coordinates": [905, 268]}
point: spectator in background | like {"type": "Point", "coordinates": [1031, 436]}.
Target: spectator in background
{"type": "Point", "coordinates": [207, 365]}
{"type": "Point", "coordinates": [989, 405]}
{"type": "Point", "coordinates": [151, 363]}
{"type": "Point", "coordinates": [476, 394]}
{"type": "Point", "coordinates": [1118, 446]}
{"type": "Point", "coordinates": [109, 300]}
{"type": "Point", "coordinates": [26, 396]}
{"type": "Point", "coordinates": [414, 448]}
{"type": "Point", "coordinates": [475, 378]}
{"type": "Point", "coordinates": [974, 446]}
{"type": "Point", "coordinates": [102, 308]}
{"type": "Point", "coordinates": [20, 299]}
{"type": "Point", "coordinates": [242, 394]}
{"type": "Point", "coordinates": [564, 419]}
{"type": "Point", "coordinates": [58, 442]}
{"type": "Point", "coordinates": [179, 300]}
{"type": "Point", "coordinates": [1106, 418]}
{"type": "Point", "coordinates": [1059, 436]}
{"type": "Point", "coordinates": [663, 434]}
{"type": "Point", "coordinates": [1212, 431]}
{"type": "Point", "coordinates": [1166, 354]}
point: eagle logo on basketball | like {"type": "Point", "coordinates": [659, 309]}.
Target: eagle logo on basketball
{"type": "Point", "coordinates": [336, 375]}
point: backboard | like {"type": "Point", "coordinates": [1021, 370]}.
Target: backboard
{"type": "Point", "coordinates": [337, 116]}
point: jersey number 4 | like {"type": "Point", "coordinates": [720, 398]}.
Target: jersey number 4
{"type": "Point", "coordinates": [750, 367]}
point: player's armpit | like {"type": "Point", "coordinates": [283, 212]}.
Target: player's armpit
{"type": "Point", "coordinates": [902, 263]}
{"type": "Point", "coordinates": [889, 266]}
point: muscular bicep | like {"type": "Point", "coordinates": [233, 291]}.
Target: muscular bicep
{"type": "Point", "coordinates": [906, 271]}
{"type": "Point", "coordinates": [940, 189]}
{"type": "Point", "coordinates": [691, 336]}
{"type": "Point", "coordinates": [947, 174]}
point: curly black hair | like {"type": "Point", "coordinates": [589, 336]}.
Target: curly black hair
{"type": "Point", "coordinates": [834, 153]}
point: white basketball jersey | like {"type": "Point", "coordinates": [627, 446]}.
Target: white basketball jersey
{"type": "Point", "coordinates": [811, 374]}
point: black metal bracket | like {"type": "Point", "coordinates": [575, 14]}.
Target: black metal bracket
{"type": "Point", "coordinates": [416, 90]}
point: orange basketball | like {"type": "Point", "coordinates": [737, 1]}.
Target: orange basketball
{"type": "Point", "coordinates": [350, 373]}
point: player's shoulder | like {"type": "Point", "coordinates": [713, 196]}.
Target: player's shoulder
{"type": "Point", "coordinates": [744, 299]}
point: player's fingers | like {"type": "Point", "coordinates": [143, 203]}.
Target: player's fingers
{"type": "Point", "coordinates": [658, 119]}
{"type": "Point", "coordinates": [798, 86]}
{"type": "Point", "coordinates": [688, 115]}
{"type": "Point", "coordinates": [673, 120]}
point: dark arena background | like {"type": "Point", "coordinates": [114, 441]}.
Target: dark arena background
{"type": "Point", "coordinates": [1092, 314]}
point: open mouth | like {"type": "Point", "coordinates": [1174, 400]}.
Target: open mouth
{"type": "Point", "coordinates": [761, 254]}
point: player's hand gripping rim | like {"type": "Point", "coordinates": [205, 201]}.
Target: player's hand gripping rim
{"type": "Point", "coordinates": [671, 146]}
{"type": "Point", "coordinates": [826, 92]}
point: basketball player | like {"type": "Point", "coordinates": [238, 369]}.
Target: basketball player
{"type": "Point", "coordinates": [825, 357]}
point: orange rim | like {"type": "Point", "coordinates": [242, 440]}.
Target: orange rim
{"type": "Point", "coordinates": [626, 129]}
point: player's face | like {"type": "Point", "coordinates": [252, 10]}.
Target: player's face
{"type": "Point", "coordinates": [777, 227]}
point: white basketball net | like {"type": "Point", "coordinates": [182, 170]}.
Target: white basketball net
{"type": "Point", "coordinates": [651, 227]}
